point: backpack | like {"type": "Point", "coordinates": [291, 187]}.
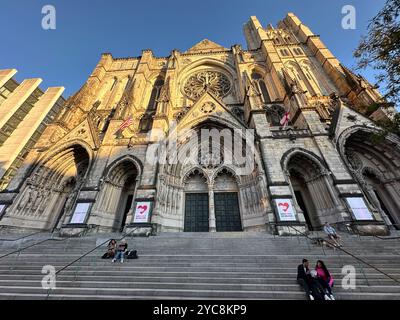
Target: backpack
{"type": "Point", "coordinates": [132, 254]}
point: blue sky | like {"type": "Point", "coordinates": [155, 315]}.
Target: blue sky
{"type": "Point", "coordinates": [85, 29]}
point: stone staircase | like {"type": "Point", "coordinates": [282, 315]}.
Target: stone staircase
{"type": "Point", "coordinates": [193, 266]}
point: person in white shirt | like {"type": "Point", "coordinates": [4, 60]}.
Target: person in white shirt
{"type": "Point", "coordinates": [331, 232]}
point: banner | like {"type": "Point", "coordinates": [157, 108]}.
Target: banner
{"type": "Point", "coordinates": [80, 213]}
{"type": "Point", "coordinates": [285, 210]}
{"type": "Point", "coordinates": [359, 209]}
{"type": "Point", "coordinates": [142, 212]}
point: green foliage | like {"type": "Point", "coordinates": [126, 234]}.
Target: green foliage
{"type": "Point", "coordinates": [389, 126]}
{"type": "Point", "coordinates": [380, 49]}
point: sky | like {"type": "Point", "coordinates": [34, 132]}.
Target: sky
{"type": "Point", "coordinates": [85, 29]}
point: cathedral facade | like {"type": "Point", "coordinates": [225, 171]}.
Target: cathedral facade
{"type": "Point", "coordinates": [126, 152]}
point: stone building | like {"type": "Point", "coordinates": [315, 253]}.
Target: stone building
{"type": "Point", "coordinates": [24, 112]}
{"type": "Point", "coordinates": [84, 173]}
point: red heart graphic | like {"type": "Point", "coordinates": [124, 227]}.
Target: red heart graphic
{"type": "Point", "coordinates": [285, 205]}
{"type": "Point", "coordinates": [143, 208]}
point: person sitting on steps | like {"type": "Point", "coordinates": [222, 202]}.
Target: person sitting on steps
{"type": "Point", "coordinates": [122, 247]}
{"type": "Point", "coordinates": [325, 278]}
{"type": "Point", "coordinates": [110, 249]}
{"type": "Point", "coordinates": [331, 232]}
{"type": "Point", "coordinates": [311, 286]}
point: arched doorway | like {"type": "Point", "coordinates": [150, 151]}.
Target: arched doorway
{"type": "Point", "coordinates": [49, 194]}
{"type": "Point", "coordinates": [126, 202]}
{"type": "Point", "coordinates": [196, 203]}
{"type": "Point", "coordinates": [303, 198]}
{"type": "Point", "coordinates": [117, 196]}
{"type": "Point", "coordinates": [226, 202]}
{"type": "Point", "coordinates": [212, 150]}
{"type": "Point", "coordinates": [312, 191]}
{"type": "Point", "coordinates": [379, 194]}
{"type": "Point", "coordinates": [375, 165]}
{"type": "Point", "coordinates": [68, 201]}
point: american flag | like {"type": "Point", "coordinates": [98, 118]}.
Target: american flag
{"type": "Point", "coordinates": [125, 124]}
{"type": "Point", "coordinates": [285, 119]}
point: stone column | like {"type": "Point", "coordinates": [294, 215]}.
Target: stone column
{"type": "Point", "coordinates": [212, 220]}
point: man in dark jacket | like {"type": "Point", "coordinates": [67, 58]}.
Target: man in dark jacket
{"type": "Point", "coordinates": [304, 278]}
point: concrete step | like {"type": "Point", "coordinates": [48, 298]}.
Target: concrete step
{"type": "Point", "coordinates": [165, 278]}
{"type": "Point", "coordinates": [194, 266]}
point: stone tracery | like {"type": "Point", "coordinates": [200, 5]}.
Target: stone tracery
{"type": "Point", "coordinates": [212, 81]}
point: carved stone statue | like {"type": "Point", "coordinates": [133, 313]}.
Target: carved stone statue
{"type": "Point", "coordinates": [26, 198]}
{"type": "Point", "coordinates": [38, 200]}
{"type": "Point", "coordinates": [68, 204]}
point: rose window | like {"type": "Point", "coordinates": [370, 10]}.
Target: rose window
{"type": "Point", "coordinates": [212, 81]}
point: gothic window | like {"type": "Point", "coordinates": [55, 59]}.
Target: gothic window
{"type": "Point", "coordinates": [298, 51]}
{"type": "Point", "coordinates": [146, 122]}
{"type": "Point", "coordinates": [212, 81]}
{"type": "Point", "coordinates": [284, 52]}
{"type": "Point", "coordinates": [261, 87]}
{"type": "Point", "coordinates": [114, 83]}
{"type": "Point", "coordinates": [155, 94]}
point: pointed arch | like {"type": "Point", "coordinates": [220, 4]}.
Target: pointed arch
{"type": "Point", "coordinates": [321, 165]}
{"type": "Point", "coordinates": [296, 72]}
{"type": "Point", "coordinates": [53, 185]}
{"type": "Point", "coordinates": [113, 206]}
{"type": "Point", "coordinates": [312, 187]}
{"type": "Point", "coordinates": [375, 166]}
{"type": "Point", "coordinates": [146, 120]}
{"type": "Point", "coordinates": [126, 158]}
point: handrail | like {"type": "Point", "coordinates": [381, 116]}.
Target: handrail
{"type": "Point", "coordinates": [87, 253]}
{"type": "Point", "coordinates": [27, 236]}
{"type": "Point", "coordinates": [30, 246]}
{"type": "Point", "coordinates": [37, 243]}
{"type": "Point", "coordinates": [350, 254]}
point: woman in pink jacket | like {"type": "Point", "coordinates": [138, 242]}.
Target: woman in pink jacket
{"type": "Point", "coordinates": [325, 277]}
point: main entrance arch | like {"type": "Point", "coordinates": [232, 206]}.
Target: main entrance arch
{"type": "Point", "coordinates": [233, 200]}
{"type": "Point", "coordinates": [117, 195]}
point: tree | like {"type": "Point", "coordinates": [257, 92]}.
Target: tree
{"type": "Point", "coordinates": [380, 49]}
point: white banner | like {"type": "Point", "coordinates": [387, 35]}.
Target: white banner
{"type": "Point", "coordinates": [285, 209]}
{"type": "Point", "coordinates": [81, 210]}
{"type": "Point", "coordinates": [142, 211]}
{"type": "Point", "coordinates": [359, 209]}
